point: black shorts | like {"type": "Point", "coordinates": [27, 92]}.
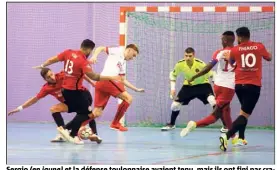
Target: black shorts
{"type": "Point", "coordinates": [188, 93]}
{"type": "Point", "coordinates": [248, 96]}
{"type": "Point", "coordinates": [79, 101]}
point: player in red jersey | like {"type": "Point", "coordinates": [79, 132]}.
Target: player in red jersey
{"type": "Point", "coordinates": [224, 85]}
{"type": "Point", "coordinates": [53, 87]}
{"type": "Point", "coordinates": [248, 56]}
{"type": "Point", "coordinates": [76, 66]}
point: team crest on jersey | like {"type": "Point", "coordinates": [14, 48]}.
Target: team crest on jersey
{"type": "Point", "coordinates": [74, 55]}
{"type": "Point", "coordinates": [197, 70]}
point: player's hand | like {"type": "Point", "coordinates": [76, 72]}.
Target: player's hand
{"type": "Point", "coordinates": [172, 94]}
{"type": "Point", "coordinates": [38, 67]}
{"type": "Point", "coordinates": [12, 112]}
{"type": "Point", "coordinates": [226, 55]}
{"type": "Point", "coordinates": [140, 90]}
{"type": "Point", "coordinates": [93, 60]}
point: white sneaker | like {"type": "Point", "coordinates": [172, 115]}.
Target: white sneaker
{"type": "Point", "coordinates": [190, 126]}
{"type": "Point", "coordinates": [76, 140]}
{"type": "Point", "coordinates": [168, 127]}
{"type": "Point", "coordinates": [58, 138]}
{"type": "Point", "coordinates": [223, 130]}
{"type": "Point", "coordinates": [66, 135]}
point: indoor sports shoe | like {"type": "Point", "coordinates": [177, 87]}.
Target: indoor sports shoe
{"type": "Point", "coordinates": [168, 127]}
{"type": "Point", "coordinates": [223, 130]}
{"type": "Point", "coordinates": [240, 142]}
{"type": "Point", "coordinates": [190, 127]}
{"type": "Point", "coordinates": [66, 135]}
{"type": "Point", "coordinates": [95, 138]}
{"type": "Point", "coordinates": [119, 127]}
{"type": "Point", "coordinates": [223, 142]}
{"type": "Point", "coordinates": [58, 138]}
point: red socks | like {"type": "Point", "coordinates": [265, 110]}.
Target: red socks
{"type": "Point", "coordinates": [206, 121]}
{"type": "Point", "coordinates": [122, 108]}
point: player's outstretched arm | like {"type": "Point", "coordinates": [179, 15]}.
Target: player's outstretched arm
{"type": "Point", "coordinates": [98, 50]}
{"type": "Point", "coordinates": [131, 86]}
{"type": "Point", "coordinates": [48, 62]}
{"type": "Point", "coordinates": [28, 103]}
{"type": "Point", "coordinates": [97, 77]}
{"type": "Point", "coordinates": [89, 80]}
{"type": "Point", "coordinates": [204, 71]}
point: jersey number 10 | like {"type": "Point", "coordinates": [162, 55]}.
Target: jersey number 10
{"type": "Point", "coordinates": [69, 67]}
{"type": "Point", "coordinates": [245, 60]}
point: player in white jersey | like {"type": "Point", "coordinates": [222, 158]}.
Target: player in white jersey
{"type": "Point", "coordinates": [114, 65]}
{"type": "Point", "coordinates": [224, 84]}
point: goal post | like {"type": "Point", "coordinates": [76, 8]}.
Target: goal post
{"type": "Point", "coordinates": [203, 10]}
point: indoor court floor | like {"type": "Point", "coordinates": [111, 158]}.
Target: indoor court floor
{"type": "Point", "coordinates": [29, 144]}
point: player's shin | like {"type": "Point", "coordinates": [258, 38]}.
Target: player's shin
{"type": "Point", "coordinates": [76, 123]}
{"type": "Point", "coordinates": [92, 125]}
{"type": "Point", "coordinates": [175, 107]}
{"type": "Point", "coordinates": [58, 119]}
{"type": "Point", "coordinates": [122, 108]}
{"type": "Point", "coordinates": [238, 124]}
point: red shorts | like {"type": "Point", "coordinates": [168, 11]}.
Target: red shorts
{"type": "Point", "coordinates": [105, 89]}
{"type": "Point", "coordinates": [223, 95]}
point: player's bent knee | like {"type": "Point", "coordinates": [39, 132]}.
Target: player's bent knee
{"type": "Point", "coordinates": [97, 112]}
{"type": "Point", "coordinates": [53, 109]}
{"type": "Point", "coordinates": [126, 97]}
{"type": "Point", "coordinates": [211, 100]}
{"type": "Point", "coordinates": [176, 106]}
{"type": "Point", "coordinates": [129, 99]}
{"type": "Point", "coordinates": [246, 115]}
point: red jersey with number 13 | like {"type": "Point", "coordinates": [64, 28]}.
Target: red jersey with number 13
{"type": "Point", "coordinates": [75, 66]}
{"type": "Point", "coordinates": [248, 57]}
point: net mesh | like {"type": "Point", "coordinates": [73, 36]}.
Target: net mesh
{"type": "Point", "coordinates": [162, 39]}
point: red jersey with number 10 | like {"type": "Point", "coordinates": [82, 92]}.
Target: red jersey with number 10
{"type": "Point", "coordinates": [248, 57]}
{"type": "Point", "coordinates": [75, 67]}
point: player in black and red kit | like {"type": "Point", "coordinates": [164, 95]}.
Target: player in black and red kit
{"type": "Point", "coordinates": [53, 87]}
{"type": "Point", "coordinates": [248, 56]}
{"type": "Point", "coordinates": [76, 66]}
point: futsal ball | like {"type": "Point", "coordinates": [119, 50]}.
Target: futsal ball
{"type": "Point", "coordinates": [84, 132]}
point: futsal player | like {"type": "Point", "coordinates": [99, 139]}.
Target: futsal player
{"type": "Point", "coordinates": [114, 66]}
{"type": "Point", "coordinates": [76, 66]}
{"type": "Point", "coordinates": [53, 87]}
{"type": "Point", "coordinates": [248, 56]}
{"type": "Point", "coordinates": [224, 86]}
{"type": "Point", "coordinates": [199, 88]}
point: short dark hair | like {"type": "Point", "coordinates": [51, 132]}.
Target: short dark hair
{"type": "Point", "coordinates": [44, 71]}
{"type": "Point", "coordinates": [87, 43]}
{"type": "Point", "coordinates": [243, 32]}
{"type": "Point", "coordinates": [230, 36]}
{"type": "Point", "coordinates": [133, 46]}
{"type": "Point", "coordinates": [189, 50]}
{"type": "Point", "coordinates": [229, 33]}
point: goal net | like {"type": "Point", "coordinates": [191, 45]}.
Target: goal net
{"type": "Point", "coordinates": [162, 38]}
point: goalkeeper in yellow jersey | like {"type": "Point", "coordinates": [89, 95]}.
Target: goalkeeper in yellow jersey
{"type": "Point", "coordinates": [199, 88]}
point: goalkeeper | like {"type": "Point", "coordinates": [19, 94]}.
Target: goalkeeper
{"type": "Point", "coordinates": [199, 88]}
